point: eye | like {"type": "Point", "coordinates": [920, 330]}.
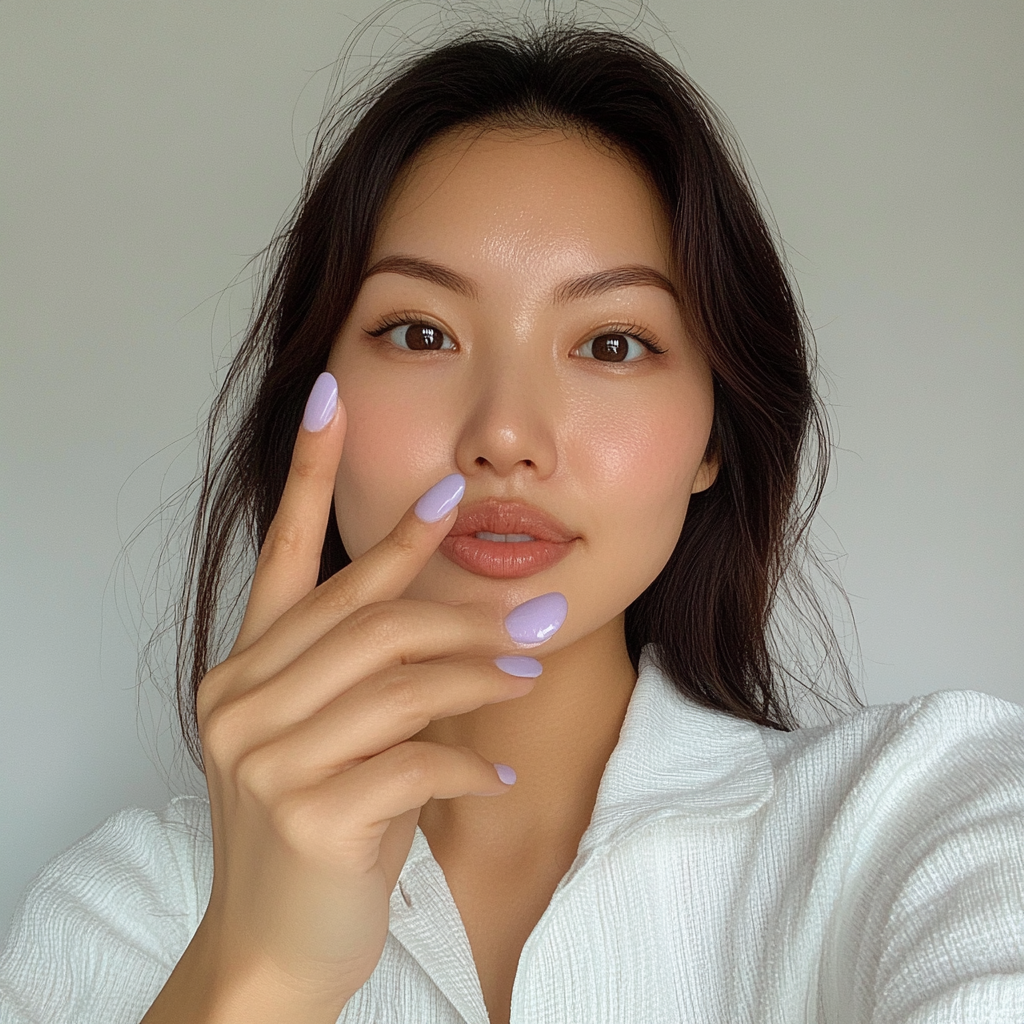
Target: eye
{"type": "Point", "coordinates": [614, 347]}
{"type": "Point", "coordinates": [416, 337]}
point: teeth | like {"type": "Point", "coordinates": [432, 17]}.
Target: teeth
{"type": "Point", "coordinates": [484, 535]}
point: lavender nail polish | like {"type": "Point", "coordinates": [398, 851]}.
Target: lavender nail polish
{"type": "Point", "coordinates": [321, 404]}
{"type": "Point", "coordinates": [518, 665]}
{"type": "Point", "coordinates": [506, 773]}
{"type": "Point", "coordinates": [441, 498]}
{"type": "Point", "coordinates": [538, 619]}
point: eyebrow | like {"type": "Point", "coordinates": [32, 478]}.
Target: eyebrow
{"type": "Point", "coordinates": [583, 287]}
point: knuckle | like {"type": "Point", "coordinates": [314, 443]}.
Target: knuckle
{"type": "Point", "coordinates": [404, 694]}
{"type": "Point", "coordinates": [336, 598]}
{"type": "Point", "coordinates": [403, 542]}
{"type": "Point", "coordinates": [316, 832]}
{"type": "Point", "coordinates": [413, 762]}
{"type": "Point", "coordinates": [284, 540]}
{"type": "Point", "coordinates": [300, 824]}
{"type": "Point", "coordinates": [210, 691]}
{"type": "Point", "coordinates": [292, 819]}
{"type": "Point", "coordinates": [376, 622]}
{"type": "Point", "coordinates": [305, 464]}
{"type": "Point", "coordinates": [221, 732]}
{"type": "Point", "coordinates": [255, 773]}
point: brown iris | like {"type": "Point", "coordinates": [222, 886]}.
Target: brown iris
{"type": "Point", "coordinates": [423, 336]}
{"type": "Point", "coordinates": [610, 348]}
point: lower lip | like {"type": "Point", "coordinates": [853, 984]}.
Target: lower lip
{"type": "Point", "coordinates": [501, 559]}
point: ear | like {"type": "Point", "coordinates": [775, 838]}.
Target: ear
{"type": "Point", "coordinates": [707, 474]}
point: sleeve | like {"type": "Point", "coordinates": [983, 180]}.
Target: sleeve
{"type": "Point", "coordinates": [99, 930]}
{"type": "Point", "coordinates": [937, 920]}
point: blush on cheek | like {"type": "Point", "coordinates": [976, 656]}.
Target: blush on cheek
{"type": "Point", "coordinates": [657, 453]}
{"type": "Point", "coordinates": [659, 486]}
{"type": "Point", "coordinates": [680, 440]}
{"type": "Point", "coordinates": [389, 458]}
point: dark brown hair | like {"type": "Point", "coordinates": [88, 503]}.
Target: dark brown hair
{"type": "Point", "coordinates": [709, 611]}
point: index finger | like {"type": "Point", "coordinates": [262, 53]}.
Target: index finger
{"type": "Point", "coordinates": [382, 573]}
{"type": "Point", "coordinates": [289, 560]}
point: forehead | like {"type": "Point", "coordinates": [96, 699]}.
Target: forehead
{"type": "Point", "coordinates": [505, 196]}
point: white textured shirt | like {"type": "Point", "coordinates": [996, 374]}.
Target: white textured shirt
{"type": "Point", "coordinates": [870, 871]}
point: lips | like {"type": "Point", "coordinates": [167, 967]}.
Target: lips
{"type": "Point", "coordinates": [506, 559]}
{"type": "Point", "coordinates": [504, 517]}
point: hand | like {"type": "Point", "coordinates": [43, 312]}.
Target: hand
{"type": "Point", "coordinates": [315, 785]}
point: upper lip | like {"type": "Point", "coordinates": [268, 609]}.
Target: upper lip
{"type": "Point", "coordinates": [493, 515]}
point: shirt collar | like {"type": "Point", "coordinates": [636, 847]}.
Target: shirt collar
{"type": "Point", "coordinates": [676, 758]}
{"type": "Point", "coordinates": [673, 759]}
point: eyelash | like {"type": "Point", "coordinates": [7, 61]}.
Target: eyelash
{"type": "Point", "coordinates": [631, 330]}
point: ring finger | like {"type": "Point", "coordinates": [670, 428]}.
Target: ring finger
{"type": "Point", "coordinates": [385, 709]}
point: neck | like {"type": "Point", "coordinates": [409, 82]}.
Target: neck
{"type": "Point", "coordinates": [558, 738]}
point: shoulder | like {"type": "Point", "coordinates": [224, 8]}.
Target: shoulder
{"type": "Point", "coordinates": [910, 797]}
{"type": "Point", "coordinates": [915, 813]}
{"type": "Point", "coordinates": [138, 859]}
{"type": "Point", "coordinates": [949, 732]}
{"type": "Point", "coordinates": [903, 824]}
{"type": "Point", "coordinates": [898, 783]}
{"type": "Point", "coordinates": [152, 857]}
{"type": "Point", "coordinates": [110, 914]}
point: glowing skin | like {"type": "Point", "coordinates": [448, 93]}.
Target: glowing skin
{"type": "Point", "coordinates": [517, 403]}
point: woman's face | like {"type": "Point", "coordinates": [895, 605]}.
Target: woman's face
{"type": "Point", "coordinates": [514, 394]}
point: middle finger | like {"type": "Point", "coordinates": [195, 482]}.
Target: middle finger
{"type": "Point", "coordinates": [387, 633]}
{"type": "Point", "coordinates": [384, 710]}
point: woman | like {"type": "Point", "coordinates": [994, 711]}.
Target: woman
{"type": "Point", "coordinates": [530, 393]}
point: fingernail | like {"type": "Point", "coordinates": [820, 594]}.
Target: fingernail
{"type": "Point", "coordinates": [506, 773]}
{"type": "Point", "coordinates": [321, 404]}
{"type": "Point", "coordinates": [441, 498]}
{"type": "Point", "coordinates": [535, 620]}
{"type": "Point", "coordinates": [518, 665]}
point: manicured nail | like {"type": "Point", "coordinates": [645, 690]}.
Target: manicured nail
{"type": "Point", "coordinates": [441, 498]}
{"type": "Point", "coordinates": [321, 404]}
{"type": "Point", "coordinates": [518, 665]}
{"type": "Point", "coordinates": [534, 621]}
{"type": "Point", "coordinates": [506, 773]}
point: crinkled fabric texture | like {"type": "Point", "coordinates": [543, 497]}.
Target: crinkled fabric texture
{"type": "Point", "coordinates": [866, 872]}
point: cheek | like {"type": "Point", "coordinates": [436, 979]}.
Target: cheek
{"type": "Point", "coordinates": [645, 452]}
{"type": "Point", "coordinates": [391, 448]}
{"type": "Point", "coordinates": [641, 468]}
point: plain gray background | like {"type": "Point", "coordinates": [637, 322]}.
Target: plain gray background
{"type": "Point", "coordinates": [149, 149]}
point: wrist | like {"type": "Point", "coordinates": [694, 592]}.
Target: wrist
{"type": "Point", "coordinates": [212, 986]}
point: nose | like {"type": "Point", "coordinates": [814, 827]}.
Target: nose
{"type": "Point", "coordinates": [512, 417]}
